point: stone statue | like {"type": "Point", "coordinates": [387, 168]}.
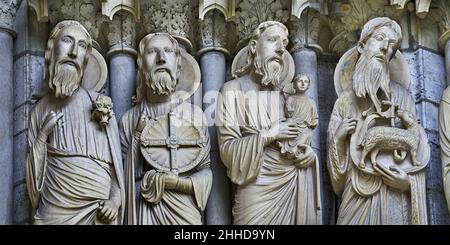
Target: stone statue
{"type": "Point", "coordinates": [74, 167]}
{"type": "Point", "coordinates": [377, 151]}
{"type": "Point", "coordinates": [272, 187]}
{"type": "Point", "coordinates": [165, 139]}
{"type": "Point", "coordinates": [303, 111]}
{"type": "Point", "coordinates": [444, 133]}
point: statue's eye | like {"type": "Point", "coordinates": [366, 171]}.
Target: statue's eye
{"type": "Point", "coordinates": [66, 39]}
{"type": "Point", "coordinates": [151, 51]}
{"type": "Point", "coordinates": [379, 37]}
{"type": "Point", "coordinates": [168, 50]}
{"type": "Point", "coordinates": [82, 45]}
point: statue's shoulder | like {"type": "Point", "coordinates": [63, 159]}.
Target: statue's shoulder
{"type": "Point", "coordinates": [446, 95]}
{"type": "Point", "coordinates": [233, 85]}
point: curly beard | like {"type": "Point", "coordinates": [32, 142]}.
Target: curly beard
{"type": "Point", "coordinates": [270, 70]}
{"type": "Point", "coordinates": [66, 80]}
{"type": "Point", "coordinates": [161, 83]}
{"type": "Point", "coordinates": [371, 75]}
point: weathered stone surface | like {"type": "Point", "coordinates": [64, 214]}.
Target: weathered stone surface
{"type": "Point", "coordinates": [6, 129]}
{"type": "Point", "coordinates": [22, 208]}
{"type": "Point", "coordinates": [122, 82]}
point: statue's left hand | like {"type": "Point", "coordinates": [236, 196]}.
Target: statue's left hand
{"type": "Point", "coordinates": [306, 159]}
{"type": "Point", "coordinates": [107, 211]}
{"type": "Point", "coordinates": [394, 177]}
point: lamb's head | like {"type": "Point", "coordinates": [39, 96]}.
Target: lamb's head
{"type": "Point", "coordinates": [408, 119]}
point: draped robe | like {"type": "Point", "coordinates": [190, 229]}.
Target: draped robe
{"type": "Point", "coordinates": [444, 130]}
{"type": "Point", "coordinates": [270, 188]}
{"type": "Point", "coordinates": [366, 200]}
{"type": "Point", "coordinates": [174, 207]}
{"type": "Point", "coordinates": [81, 163]}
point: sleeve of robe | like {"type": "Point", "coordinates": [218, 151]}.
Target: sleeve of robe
{"type": "Point", "coordinates": [36, 159]}
{"type": "Point", "coordinates": [240, 154]}
{"type": "Point", "coordinates": [444, 131]}
{"type": "Point", "coordinates": [338, 155]}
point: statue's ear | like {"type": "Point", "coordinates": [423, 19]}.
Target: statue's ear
{"type": "Point", "coordinates": [360, 47]}
{"type": "Point", "coordinates": [252, 46]}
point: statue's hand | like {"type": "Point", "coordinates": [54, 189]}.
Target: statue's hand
{"type": "Point", "coordinates": [394, 177]}
{"type": "Point", "coordinates": [346, 127]}
{"type": "Point", "coordinates": [141, 124]}
{"type": "Point", "coordinates": [107, 211]}
{"type": "Point", "coordinates": [306, 159]}
{"type": "Point", "coordinates": [282, 130]}
{"type": "Point", "coordinates": [50, 121]}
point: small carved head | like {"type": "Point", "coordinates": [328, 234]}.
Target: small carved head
{"type": "Point", "coordinates": [66, 57]}
{"type": "Point", "coordinates": [102, 110]}
{"type": "Point", "coordinates": [158, 64]}
{"type": "Point", "coordinates": [408, 119]}
{"type": "Point", "coordinates": [301, 83]}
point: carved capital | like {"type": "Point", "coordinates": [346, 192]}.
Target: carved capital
{"type": "Point", "coordinates": [87, 12]}
{"type": "Point", "coordinates": [7, 15]}
{"type": "Point", "coordinates": [347, 19]}
{"type": "Point", "coordinates": [421, 6]}
{"type": "Point", "coordinates": [213, 31]}
{"type": "Point", "coordinates": [41, 9]}
{"type": "Point", "coordinates": [111, 7]}
{"type": "Point", "coordinates": [251, 13]}
{"type": "Point", "coordinates": [227, 7]}
{"type": "Point", "coordinates": [122, 34]}
{"type": "Point", "coordinates": [175, 17]}
{"type": "Point", "coordinates": [443, 19]}
{"type": "Point", "coordinates": [305, 31]}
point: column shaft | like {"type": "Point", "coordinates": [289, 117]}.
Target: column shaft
{"type": "Point", "coordinates": [6, 129]}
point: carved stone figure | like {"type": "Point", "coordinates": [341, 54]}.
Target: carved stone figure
{"type": "Point", "coordinates": [272, 188]}
{"type": "Point", "coordinates": [74, 167]}
{"type": "Point", "coordinates": [375, 115]}
{"type": "Point", "coordinates": [303, 111]}
{"type": "Point", "coordinates": [444, 133]}
{"type": "Point", "coordinates": [165, 139]}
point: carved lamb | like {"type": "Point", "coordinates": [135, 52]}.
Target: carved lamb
{"type": "Point", "coordinates": [390, 138]}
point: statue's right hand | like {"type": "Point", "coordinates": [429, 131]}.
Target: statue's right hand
{"type": "Point", "coordinates": [50, 121]}
{"type": "Point", "coordinates": [346, 127]}
{"type": "Point", "coordinates": [141, 123]}
{"type": "Point", "coordinates": [282, 130]}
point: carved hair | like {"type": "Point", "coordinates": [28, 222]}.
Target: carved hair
{"type": "Point", "coordinates": [140, 89]}
{"type": "Point", "coordinates": [255, 37]}
{"type": "Point", "coordinates": [376, 23]}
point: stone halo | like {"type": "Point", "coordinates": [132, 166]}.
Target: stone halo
{"type": "Point", "coordinates": [287, 74]}
{"type": "Point", "coordinates": [343, 75]}
{"type": "Point", "coordinates": [96, 72]}
{"type": "Point", "coordinates": [189, 77]}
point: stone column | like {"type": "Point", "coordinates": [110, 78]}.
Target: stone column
{"type": "Point", "coordinates": [7, 34]}
{"type": "Point", "coordinates": [122, 62]}
{"type": "Point", "coordinates": [213, 67]}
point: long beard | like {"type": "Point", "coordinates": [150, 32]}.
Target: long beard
{"type": "Point", "coordinates": [161, 83]}
{"type": "Point", "coordinates": [66, 80]}
{"type": "Point", "coordinates": [370, 76]}
{"type": "Point", "coordinates": [270, 70]}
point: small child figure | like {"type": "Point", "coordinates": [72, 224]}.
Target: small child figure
{"type": "Point", "coordinates": [301, 109]}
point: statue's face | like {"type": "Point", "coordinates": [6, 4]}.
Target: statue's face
{"type": "Point", "coordinates": [301, 84]}
{"type": "Point", "coordinates": [382, 44]}
{"type": "Point", "coordinates": [272, 43]}
{"type": "Point", "coordinates": [159, 56]}
{"type": "Point", "coordinates": [159, 64]}
{"type": "Point", "coordinates": [70, 49]}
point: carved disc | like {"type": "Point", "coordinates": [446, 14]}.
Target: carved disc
{"type": "Point", "coordinates": [155, 138]}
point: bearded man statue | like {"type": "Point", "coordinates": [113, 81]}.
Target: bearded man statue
{"type": "Point", "coordinates": [74, 166]}
{"type": "Point", "coordinates": [271, 188]}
